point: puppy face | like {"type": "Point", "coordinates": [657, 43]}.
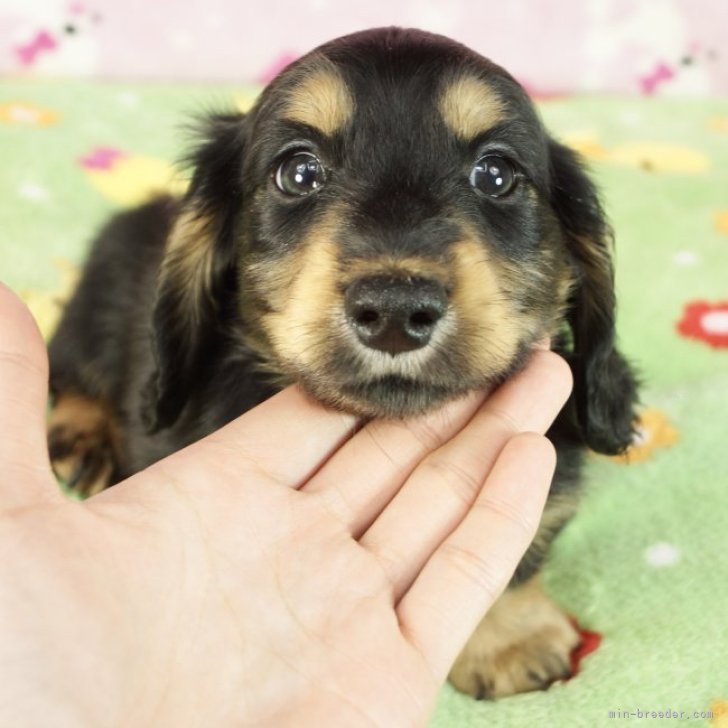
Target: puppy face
{"type": "Point", "coordinates": [398, 245]}
{"type": "Point", "coordinates": [393, 225]}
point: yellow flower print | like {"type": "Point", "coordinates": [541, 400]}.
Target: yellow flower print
{"type": "Point", "coordinates": [130, 179]}
{"type": "Point", "coordinates": [719, 709]}
{"type": "Point", "coordinates": [20, 112]}
{"type": "Point", "coordinates": [46, 306]}
{"type": "Point", "coordinates": [654, 431]}
{"type": "Point", "coordinates": [244, 100]}
{"type": "Point", "coordinates": [659, 157]}
{"type": "Point", "coordinates": [650, 156]}
{"type": "Point", "coordinates": [718, 124]}
{"type": "Point", "coordinates": [721, 221]}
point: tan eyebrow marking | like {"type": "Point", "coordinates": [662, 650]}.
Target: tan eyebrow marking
{"type": "Point", "coordinates": [470, 106]}
{"type": "Point", "coordinates": [321, 100]}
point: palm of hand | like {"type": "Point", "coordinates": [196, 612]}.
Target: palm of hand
{"type": "Point", "coordinates": [232, 583]}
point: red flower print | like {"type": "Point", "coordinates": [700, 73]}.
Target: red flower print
{"type": "Point", "coordinates": [707, 322]}
{"type": "Point", "coordinates": [590, 642]}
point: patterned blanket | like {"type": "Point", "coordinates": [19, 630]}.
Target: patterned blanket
{"type": "Point", "coordinates": [644, 565]}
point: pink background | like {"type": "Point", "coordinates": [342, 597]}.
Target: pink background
{"type": "Point", "coordinates": [626, 46]}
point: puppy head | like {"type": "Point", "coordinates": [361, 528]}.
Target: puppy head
{"type": "Point", "coordinates": [391, 226]}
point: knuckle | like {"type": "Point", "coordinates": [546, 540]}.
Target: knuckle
{"type": "Point", "coordinates": [426, 432]}
{"type": "Point", "coordinates": [477, 569]}
{"type": "Point", "coordinates": [390, 562]}
{"type": "Point", "coordinates": [504, 419]}
{"type": "Point", "coordinates": [509, 512]}
{"type": "Point", "coordinates": [459, 480]}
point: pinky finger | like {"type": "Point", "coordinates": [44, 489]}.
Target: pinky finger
{"type": "Point", "coordinates": [472, 567]}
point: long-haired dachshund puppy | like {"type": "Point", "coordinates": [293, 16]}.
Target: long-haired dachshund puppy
{"type": "Point", "coordinates": [390, 226]}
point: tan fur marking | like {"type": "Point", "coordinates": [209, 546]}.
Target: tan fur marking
{"type": "Point", "coordinates": [188, 261]}
{"type": "Point", "coordinates": [84, 414]}
{"type": "Point", "coordinates": [566, 285]}
{"type": "Point", "coordinates": [322, 100]}
{"type": "Point", "coordinates": [305, 290]}
{"type": "Point", "coordinates": [83, 431]}
{"type": "Point", "coordinates": [522, 644]}
{"type": "Point", "coordinates": [486, 316]}
{"type": "Point", "coordinates": [296, 330]}
{"type": "Point", "coordinates": [470, 107]}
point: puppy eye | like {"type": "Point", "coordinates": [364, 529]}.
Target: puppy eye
{"type": "Point", "coordinates": [300, 174]}
{"type": "Point", "coordinates": [493, 176]}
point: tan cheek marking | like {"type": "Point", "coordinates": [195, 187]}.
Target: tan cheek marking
{"type": "Point", "coordinates": [565, 286]}
{"type": "Point", "coordinates": [304, 291]}
{"type": "Point", "coordinates": [269, 280]}
{"type": "Point", "coordinates": [487, 319]}
{"type": "Point", "coordinates": [187, 265]}
{"type": "Point", "coordinates": [322, 100]}
{"type": "Point", "coordinates": [470, 107]}
{"type": "Point", "coordinates": [564, 289]}
{"type": "Point", "coordinates": [306, 300]}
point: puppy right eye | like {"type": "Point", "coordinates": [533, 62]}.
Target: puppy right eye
{"type": "Point", "coordinates": [301, 174]}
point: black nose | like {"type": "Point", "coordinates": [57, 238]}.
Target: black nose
{"type": "Point", "coordinates": [395, 314]}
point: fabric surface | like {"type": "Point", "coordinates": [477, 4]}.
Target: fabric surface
{"type": "Point", "coordinates": [625, 46]}
{"type": "Point", "coordinates": [645, 562]}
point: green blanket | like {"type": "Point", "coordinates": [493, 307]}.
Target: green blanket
{"type": "Point", "coordinates": [645, 562]}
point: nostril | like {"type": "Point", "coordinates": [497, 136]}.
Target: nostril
{"type": "Point", "coordinates": [367, 317]}
{"type": "Point", "coordinates": [423, 319]}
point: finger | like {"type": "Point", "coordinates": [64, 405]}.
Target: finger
{"type": "Point", "coordinates": [362, 477]}
{"type": "Point", "coordinates": [24, 465]}
{"type": "Point", "coordinates": [469, 571]}
{"type": "Point", "coordinates": [441, 490]}
{"type": "Point", "coordinates": [286, 438]}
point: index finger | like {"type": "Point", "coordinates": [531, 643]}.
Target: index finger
{"type": "Point", "coordinates": [286, 438]}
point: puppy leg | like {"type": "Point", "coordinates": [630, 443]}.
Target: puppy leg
{"type": "Point", "coordinates": [524, 643]}
{"type": "Point", "coordinates": [99, 351]}
{"type": "Point", "coordinates": [83, 443]}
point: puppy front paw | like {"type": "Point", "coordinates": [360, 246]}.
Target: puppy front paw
{"type": "Point", "coordinates": [524, 643]}
{"type": "Point", "coordinates": [82, 444]}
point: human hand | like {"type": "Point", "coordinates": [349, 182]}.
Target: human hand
{"type": "Point", "coordinates": [290, 569]}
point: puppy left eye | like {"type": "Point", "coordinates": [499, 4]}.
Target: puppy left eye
{"type": "Point", "coordinates": [493, 176]}
{"type": "Point", "coordinates": [301, 174]}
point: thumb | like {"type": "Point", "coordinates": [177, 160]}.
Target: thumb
{"type": "Point", "coordinates": [24, 468]}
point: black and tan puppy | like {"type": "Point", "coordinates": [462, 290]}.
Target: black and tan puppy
{"type": "Point", "coordinates": [390, 226]}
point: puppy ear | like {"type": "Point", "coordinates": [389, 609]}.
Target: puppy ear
{"type": "Point", "coordinates": [604, 385]}
{"type": "Point", "coordinates": [197, 274]}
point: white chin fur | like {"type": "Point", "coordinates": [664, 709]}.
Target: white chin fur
{"type": "Point", "coordinates": [409, 364]}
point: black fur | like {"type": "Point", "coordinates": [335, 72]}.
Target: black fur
{"type": "Point", "coordinates": [605, 388]}
{"type": "Point", "coordinates": [185, 350]}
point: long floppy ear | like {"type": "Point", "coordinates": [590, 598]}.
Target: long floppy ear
{"type": "Point", "coordinates": [605, 389]}
{"type": "Point", "coordinates": [197, 276]}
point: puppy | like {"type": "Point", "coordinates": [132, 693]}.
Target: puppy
{"type": "Point", "coordinates": [390, 226]}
